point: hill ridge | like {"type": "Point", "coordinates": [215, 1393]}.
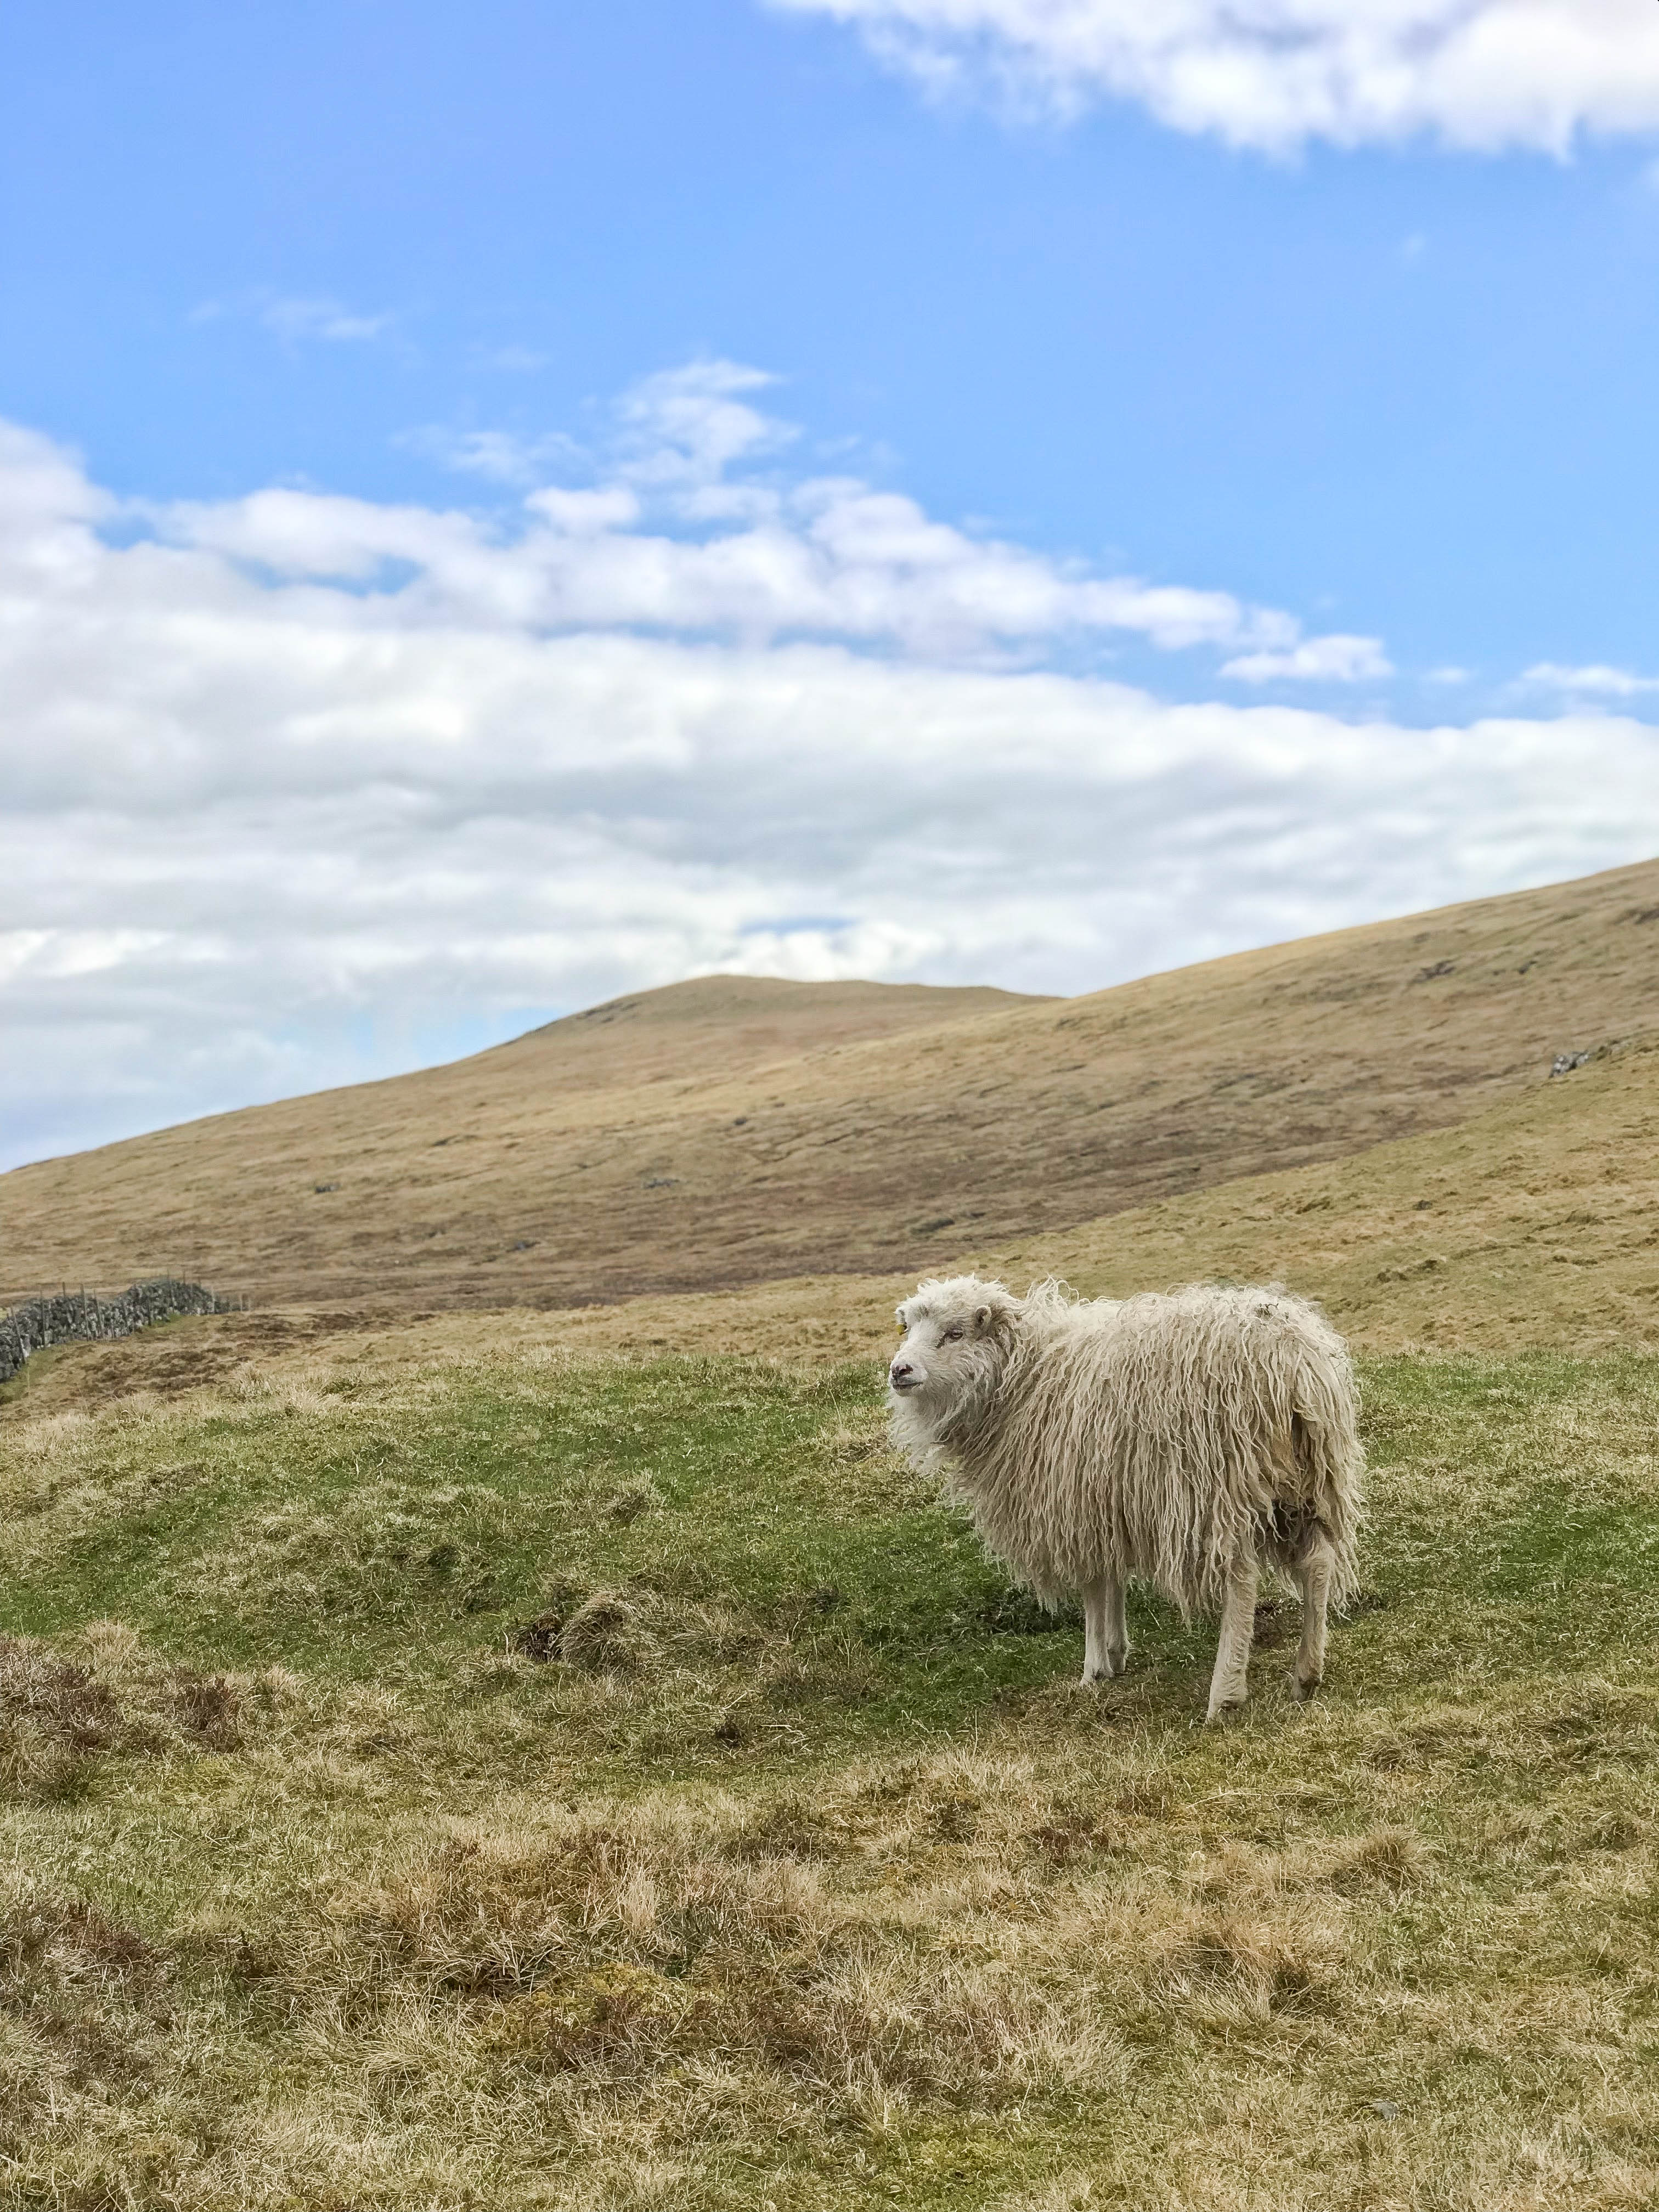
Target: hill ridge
{"type": "Point", "coordinates": [689, 1141]}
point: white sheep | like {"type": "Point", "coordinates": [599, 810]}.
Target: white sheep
{"type": "Point", "coordinates": [1192, 1439]}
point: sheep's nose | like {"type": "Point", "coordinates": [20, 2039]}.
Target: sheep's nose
{"type": "Point", "coordinates": [902, 1372]}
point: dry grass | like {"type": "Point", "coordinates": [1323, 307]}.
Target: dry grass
{"type": "Point", "coordinates": [729, 1131]}
{"type": "Point", "coordinates": [564, 1760]}
{"type": "Point", "coordinates": [789, 1867]}
{"type": "Point", "coordinates": [923, 1978]}
{"type": "Point", "coordinates": [1533, 1225]}
{"type": "Point", "coordinates": [62, 1712]}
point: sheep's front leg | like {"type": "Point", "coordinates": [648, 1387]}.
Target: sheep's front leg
{"type": "Point", "coordinates": [1105, 1631]}
{"type": "Point", "coordinates": [1228, 1685]}
{"type": "Point", "coordinates": [1314, 1577]}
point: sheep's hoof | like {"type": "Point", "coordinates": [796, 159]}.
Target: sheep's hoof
{"type": "Point", "coordinates": [1219, 1715]}
{"type": "Point", "coordinates": [1304, 1687]}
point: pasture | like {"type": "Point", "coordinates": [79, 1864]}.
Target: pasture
{"type": "Point", "coordinates": [495, 1775]}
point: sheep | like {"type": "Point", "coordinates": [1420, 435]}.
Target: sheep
{"type": "Point", "coordinates": [1191, 1438]}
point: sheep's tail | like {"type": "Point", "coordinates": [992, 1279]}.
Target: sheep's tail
{"type": "Point", "coordinates": [1325, 1434]}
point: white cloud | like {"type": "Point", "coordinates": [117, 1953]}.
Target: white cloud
{"type": "Point", "coordinates": [323, 319]}
{"type": "Point", "coordinates": [684, 430]}
{"type": "Point", "coordinates": [1333, 660]}
{"type": "Point", "coordinates": [1273, 74]}
{"type": "Point", "coordinates": [691, 527]}
{"type": "Point", "coordinates": [301, 784]}
{"type": "Point", "coordinates": [499, 455]}
{"type": "Point", "coordinates": [1597, 679]}
{"type": "Point", "coordinates": [298, 321]}
{"type": "Point", "coordinates": [587, 513]}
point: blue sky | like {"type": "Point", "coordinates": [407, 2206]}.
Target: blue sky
{"type": "Point", "coordinates": [1070, 488]}
{"type": "Point", "coordinates": [1410, 388]}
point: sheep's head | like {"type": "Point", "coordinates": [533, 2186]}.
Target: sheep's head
{"type": "Point", "coordinates": [957, 1335]}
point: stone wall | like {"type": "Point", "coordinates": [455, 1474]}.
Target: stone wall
{"type": "Point", "coordinates": [78, 1316]}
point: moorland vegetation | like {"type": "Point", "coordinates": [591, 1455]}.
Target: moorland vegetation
{"type": "Point", "coordinates": [564, 1759]}
{"type": "Point", "coordinates": [736, 1130]}
{"type": "Point", "coordinates": [533, 1779]}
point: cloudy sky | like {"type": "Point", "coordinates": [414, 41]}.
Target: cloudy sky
{"type": "Point", "coordinates": [502, 505]}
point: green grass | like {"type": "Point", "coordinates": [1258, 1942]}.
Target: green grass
{"type": "Point", "coordinates": [741, 1508]}
{"type": "Point", "coordinates": [596, 1785]}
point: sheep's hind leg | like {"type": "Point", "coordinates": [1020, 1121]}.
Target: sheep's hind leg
{"type": "Point", "coordinates": [1314, 1576]}
{"type": "Point", "coordinates": [1105, 1631]}
{"type": "Point", "coordinates": [1229, 1684]}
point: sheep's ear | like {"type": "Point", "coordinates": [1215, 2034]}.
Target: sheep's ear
{"type": "Point", "coordinates": [982, 1320]}
{"type": "Point", "coordinates": [898, 1316]}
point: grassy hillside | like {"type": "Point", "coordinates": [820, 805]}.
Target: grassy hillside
{"type": "Point", "coordinates": [1533, 1225]}
{"type": "Point", "coordinates": [728, 1132]}
{"type": "Point", "coordinates": [429, 1179]}
{"type": "Point", "coordinates": [545, 1781]}
{"type": "Point", "coordinates": [490, 1761]}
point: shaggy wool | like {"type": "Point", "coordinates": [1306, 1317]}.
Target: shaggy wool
{"type": "Point", "coordinates": [1161, 1436]}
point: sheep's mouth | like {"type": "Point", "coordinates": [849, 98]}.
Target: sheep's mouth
{"type": "Point", "coordinates": [910, 1382]}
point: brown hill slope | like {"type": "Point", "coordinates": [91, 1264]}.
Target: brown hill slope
{"type": "Point", "coordinates": [725, 1131]}
{"type": "Point", "coordinates": [1533, 1225]}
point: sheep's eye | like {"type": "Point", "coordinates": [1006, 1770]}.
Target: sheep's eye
{"type": "Point", "coordinates": [952, 1336]}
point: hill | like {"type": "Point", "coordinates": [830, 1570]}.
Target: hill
{"type": "Point", "coordinates": [514, 1783]}
{"type": "Point", "coordinates": [730, 1131]}
{"type": "Point", "coordinates": [1532, 1226]}
{"type": "Point", "coordinates": [446, 1766]}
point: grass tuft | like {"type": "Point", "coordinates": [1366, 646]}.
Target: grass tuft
{"type": "Point", "coordinates": [606, 1634]}
{"type": "Point", "coordinates": [61, 1715]}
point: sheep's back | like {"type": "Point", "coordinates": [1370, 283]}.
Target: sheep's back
{"type": "Point", "coordinates": [1154, 1435]}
